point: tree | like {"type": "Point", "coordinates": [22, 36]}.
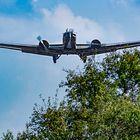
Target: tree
{"type": "Point", "coordinates": [124, 72]}
{"type": "Point", "coordinates": [102, 102]}
{"type": "Point", "coordinates": [8, 136]}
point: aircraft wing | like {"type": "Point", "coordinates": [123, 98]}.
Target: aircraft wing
{"type": "Point", "coordinates": [117, 46]}
{"type": "Point", "coordinates": [19, 47]}
{"type": "Point", "coordinates": [34, 49]}
{"type": "Point", "coordinates": [104, 48]}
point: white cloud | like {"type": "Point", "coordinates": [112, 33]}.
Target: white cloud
{"type": "Point", "coordinates": [62, 18]}
{"type": "Point", "coordinates": [52, 24]}
{"type": "Point", "coordinates": [87, 29]}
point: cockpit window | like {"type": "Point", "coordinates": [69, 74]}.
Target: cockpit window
{"type": "Point", "coordinates": [67, 35]}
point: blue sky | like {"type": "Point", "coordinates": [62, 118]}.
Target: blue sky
{"type": "Point", "coordinates": [24, 76]}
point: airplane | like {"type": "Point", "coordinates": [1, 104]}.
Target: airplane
{"type": "Point", "coordinates": [69, 47]}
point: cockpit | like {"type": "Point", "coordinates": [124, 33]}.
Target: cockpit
{"type": "Point", "coordinates": [69, 39]}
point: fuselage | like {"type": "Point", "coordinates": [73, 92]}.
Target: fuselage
{"type": "Point", "coordinates": [69, 39]}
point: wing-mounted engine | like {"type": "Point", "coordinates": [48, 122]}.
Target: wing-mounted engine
{"type": "Point", "coordinates": [95, 43]}
{"type": "Point", "coordinates": [46, 43]}
{"type": "Point", "coordinates": [43, 44]}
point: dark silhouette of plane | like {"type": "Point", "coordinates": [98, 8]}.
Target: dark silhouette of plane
{"type": "Point", "coordinates": [69, 46]}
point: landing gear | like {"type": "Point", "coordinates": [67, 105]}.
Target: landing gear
{"type": "Point", "coordinates": [84, 58]}
{"type": "Point", "coordinates": [55, 57]}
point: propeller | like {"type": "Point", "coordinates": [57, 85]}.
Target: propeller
{"type": "Point", "coordinates": [39, 38]}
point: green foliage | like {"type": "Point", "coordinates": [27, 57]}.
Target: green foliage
{"type": "Point", "coordinates": [102, 102]}
{"type": "Point", "coordinates": [124, 72]}
{"type": "Point", "coordinates": [8, 136]}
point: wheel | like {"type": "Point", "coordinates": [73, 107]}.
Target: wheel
{"type": "Point", "coordinates": [54, 59]}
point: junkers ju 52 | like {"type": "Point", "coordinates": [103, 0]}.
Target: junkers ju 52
{"type": "Point", "coordinates": [69, 47]}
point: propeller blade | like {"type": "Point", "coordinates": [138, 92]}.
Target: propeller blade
{"type": "Point", "coordinates": [39, 38]}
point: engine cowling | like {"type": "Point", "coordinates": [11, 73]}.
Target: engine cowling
{"type": "Point", "coordinates": [43, 44]}
{"type": "Point", "coordinates": [46, 43]}
{"type": "Point", "coordinates": [95, 43]}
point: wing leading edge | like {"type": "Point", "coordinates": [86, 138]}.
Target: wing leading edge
{"type": "Point", "coordinates": [105, 48]}
{"type": "Point", "coordinates": [34, 49]}
{"type": "Point", "coordinates": [19, 47]}
{"type": "Point", "coordinates": [82, 49]}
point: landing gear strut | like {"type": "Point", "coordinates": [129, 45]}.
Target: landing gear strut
{"type": "Point", "coordinates": [84, 58]}
{"type": "Point", "coordinates": [55, 57]}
